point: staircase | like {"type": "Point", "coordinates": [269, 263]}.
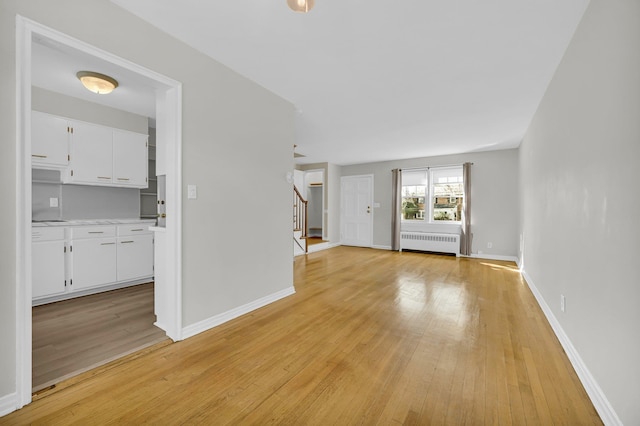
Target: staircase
{"type": "Point", "coordinates": [300, 226]}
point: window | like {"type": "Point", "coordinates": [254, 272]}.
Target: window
{"type": "Point", "coordinates": [414, 191]}
{"type": "Point", "coordinates": [443, 187]}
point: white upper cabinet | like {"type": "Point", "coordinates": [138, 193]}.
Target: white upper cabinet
{"type": "Point", "coordinates": [91, 154]}
{"type": "Point", "coordinates": [49, 141]}
{"type": "Point", "coordinates": [130, 154]}
{"type": "Point", "coordinates": [104, 156]}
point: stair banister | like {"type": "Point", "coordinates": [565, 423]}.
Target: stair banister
{"type": "Point", "coordinates": [300, 216]}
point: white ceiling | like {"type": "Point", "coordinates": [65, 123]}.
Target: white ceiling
{"type": "Point", "coordinates": [379, 80]}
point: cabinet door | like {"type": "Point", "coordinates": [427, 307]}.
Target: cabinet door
{"type": "Point", "coordinates": [130, 163]}
{"type": "Point", "coordinates": [94, 262]}
{"type": "Point", "coordinates": [135, 257]}
{"type": "Point", "coordinates": [91, 154]}
{"type": "Point", "coordinates": [49, 140]}
{"type": "Point", "coordinates": [47, 268]}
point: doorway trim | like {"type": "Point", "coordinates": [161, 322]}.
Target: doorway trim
{"type": "Point", "coordinates": [169, 108]}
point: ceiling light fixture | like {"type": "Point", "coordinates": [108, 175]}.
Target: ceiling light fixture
{"type": "Point", "coordinates": [96, 82]}
{"type": "Point", "coordinates": [301, 5]}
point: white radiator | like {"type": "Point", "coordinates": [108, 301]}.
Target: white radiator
{"type": "Point", "coordinates": [427, 241]}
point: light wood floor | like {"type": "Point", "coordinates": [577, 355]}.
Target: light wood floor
{"type": "Point", "coordinates": [370, 337]}
{"type": "Point", "coordinates": [75, 335]}
{"type": "Point", "coordinates": [314, 240]}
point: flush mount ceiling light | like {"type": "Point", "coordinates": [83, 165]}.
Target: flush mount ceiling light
{"type": "Point", "coordinates": [301, 5]}
{"type": "Point", "coordinates": [96, 82]}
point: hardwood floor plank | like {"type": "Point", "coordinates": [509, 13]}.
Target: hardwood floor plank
{"type": "Point", "coordinates": [370, 337]}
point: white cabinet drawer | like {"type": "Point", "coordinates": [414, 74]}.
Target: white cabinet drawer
{"type": "Point", "coordinates": [93, 232]}
{"type": "Point", "coordinates": [133, 229]}
{"type": "Point", "coordinates": [47, 234]}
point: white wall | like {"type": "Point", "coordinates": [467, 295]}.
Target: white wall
{"type": "Point", "coordinates": [228, 122]}
{"type": "Point", "coordinates": [332, 206]}
{"type": "Point", "coordinates": [494, 210]}
{"type": "Point", "coordinates": [580, 199]}
{"type": "Point", "coordinates": [70, 107]}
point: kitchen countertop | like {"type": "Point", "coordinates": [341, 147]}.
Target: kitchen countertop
{"type": "Point", "coordinates": [92, 222]}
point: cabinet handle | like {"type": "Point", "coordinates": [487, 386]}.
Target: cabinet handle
{"type": "Point", "coordinates": [123, 179]}
{"type": "Point", "coordinates": [106, 244]}
{"type": "Point", "coordinates": [104, 177]}
{"type": "Point", "coordinates": [138, 229]}
{"type": "Point", "coordinates": [38, 156]}
{"type": "Point", "coordinates": [126, 242]}
{"type": "Point", "coordinates": [96, 232]}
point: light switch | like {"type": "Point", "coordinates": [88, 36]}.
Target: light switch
{"type": "Point", "coordinates": [192, 192]}
{"type": "Point", "coordinates": [53, 202]}
{"type": "Point", "coordinates": [376, 205]}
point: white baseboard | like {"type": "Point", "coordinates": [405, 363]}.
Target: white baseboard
{"type": "Point", "coordinates": [8, 404]}
{"type": "Point", "coordinates": [317, 247]}
{"type": "Point", "coordinates": [204, 325]}
{"type": "Point", "coordinates": [597, 396]}
{"type": "Point", "coordinates": [320, 247]}
{"type": "Point", "coordinates": [381, 247]}
{"type": "Point", "coordinates": [494, 257]}
{"type": "Point", "coordinates": [89, 291]}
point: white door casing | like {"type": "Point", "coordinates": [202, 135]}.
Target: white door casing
{"type": "Point", "coordinates": [356, 210]}
{"type": "Point", "coordinates": [169, 124]}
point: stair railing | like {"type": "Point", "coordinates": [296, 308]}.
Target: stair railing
{"type": "Point", "coordinates": [300, 216]}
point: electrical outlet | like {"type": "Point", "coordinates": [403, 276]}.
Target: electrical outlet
{"type": "Point", "coordinates": [489, 245]}
{"type": "Point", "coordinates": [563, 303]}
{"type": "Point", "coordinates": [192, 192]}
{"type": "Point", "coordinates": [53, 202]}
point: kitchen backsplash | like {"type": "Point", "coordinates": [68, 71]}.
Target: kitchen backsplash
{"type": "Point", "coordinates": [80, 201]}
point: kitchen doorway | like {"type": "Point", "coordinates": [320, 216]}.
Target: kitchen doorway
{"type": "Point", "coordinates": [169, 133]}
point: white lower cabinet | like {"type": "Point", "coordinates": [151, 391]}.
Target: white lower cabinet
{"type": "Point", "coordinates": [89, 259]}
{"type": "Point", "coordinates": [94, 263]}
{"type": "Point", "coordinates": [135, 257]}
{"type": "Point", "coordinates": [48, 262]}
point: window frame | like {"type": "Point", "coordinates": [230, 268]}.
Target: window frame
{"type": "Point", "coordinates": [430, 197]}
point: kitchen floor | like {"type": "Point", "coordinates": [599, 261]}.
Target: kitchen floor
{"type": "Point", "coordinates": [76, 335]}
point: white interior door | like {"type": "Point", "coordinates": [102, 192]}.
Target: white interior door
{"type": "Point", "coordinates": [357, 211]}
